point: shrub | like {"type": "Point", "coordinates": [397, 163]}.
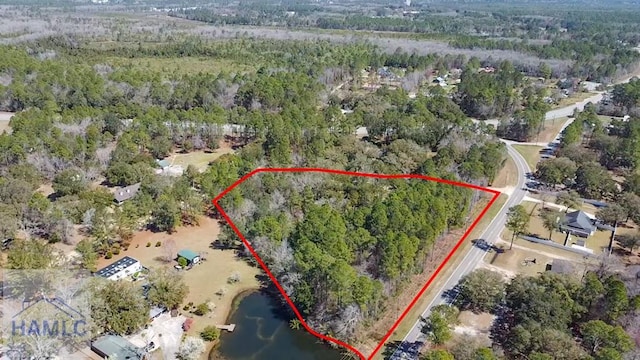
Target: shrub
{"type": "Point", "coordinates": [109, 255]}
{"type": "Point", "coordinates": [148, 244]}
{"type": "Point", "coordinates": [116, 251]}
{"type": "Point", "coordinates": [182, 261]}
{"type": "Point", "coordinates": [186, 308]}
{"type": "Point", "coordinates": [158, 244]}
{"type": "Point", "coordinates": [210, 333]}
{"type": "Point", "coordinates": [202, 309]}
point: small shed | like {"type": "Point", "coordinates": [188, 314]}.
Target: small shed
{"type": "Point", "coordinates": [191, 256]}
{"type": "Point", "coordinates": [186, 325]}
{"type": "Point", "coordinates": [163, 164]}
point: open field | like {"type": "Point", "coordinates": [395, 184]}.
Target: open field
{"type": "Point", "coordinates": [551, 129]}
{"type": "Point", "coordinates": [428, 296]}
{"type": "Point", "coordinates": [576, 97]}
{"type": "Point", "coordinates": [531, 154]}
{"type": "Point", "coordinates": [182, 65]}
{"type": "Point", "coordinates": [199, 159]}
{"type": "Point", "coordinates": [204, 279]}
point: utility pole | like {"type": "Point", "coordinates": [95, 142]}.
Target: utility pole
{"type": "Point", "coordinates": [613, 235]}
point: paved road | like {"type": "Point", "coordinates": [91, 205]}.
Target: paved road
{"type": "Point", "coordinates": [414, 340]}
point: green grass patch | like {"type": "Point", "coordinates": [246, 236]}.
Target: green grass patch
{"type": "Point", "coordinates": [531, 154]}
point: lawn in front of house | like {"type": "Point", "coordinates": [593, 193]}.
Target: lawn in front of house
{"type": "Point", "coordinates": [598, 242]}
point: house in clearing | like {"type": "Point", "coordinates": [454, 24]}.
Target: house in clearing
{"type": "Point", "coordinates": [578, 223]}
{"type": "Point", "coordinates": [117, 347]}
{"type": "Point", "coordinates": [125, 193]}
{"type": "Point", "coordinates": [191, 256]}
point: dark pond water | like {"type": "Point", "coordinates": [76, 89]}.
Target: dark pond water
{"type": "Point", "coordinates": [263, 334]}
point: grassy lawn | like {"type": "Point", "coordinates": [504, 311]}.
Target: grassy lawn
{"type": "Point", "coordinates": [551, 129]}
{"type": "Point", "coordinates": [597, 242]}
{"type": "Point", "coordinates": [507, 176]}
{"type": "Point", "coordinates": [572, 99]}
{"type": "Point", "coordinates": [428, 296]}
{"type": "Point", "coordinates": [182, 65]}
{"type": "Point", "coordinates": [199, 159]}
{"type": "Point", "coordinates": [531, 154]}
{"type": "Point", "coordinates": [513, 261]}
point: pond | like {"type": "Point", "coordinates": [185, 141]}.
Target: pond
{"type": "Point", "coordinates": [262, 333]}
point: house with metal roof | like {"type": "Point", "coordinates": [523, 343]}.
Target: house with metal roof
{"type": "Point", "coordinates": [191, 256]}
{"type": "Point", "coordinates": [117, 347]}
{"type": "Point", "coordinates": [579, 224]}
{"type": "Point", "coordinates": [123, 268]}
{"type": "Point", "coordinates": [125, 193]}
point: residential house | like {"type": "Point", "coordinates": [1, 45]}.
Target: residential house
{"type": "Point", "coordinates": [579, 224]}
{"type": "Point", "coordinates": [125, 193]}
{"type": "Point", "coordinates": [125, 267]}
{"type": "Point", "coordinates": [117, 347]}
{"type": "Point", "coordinates": [191, 256]}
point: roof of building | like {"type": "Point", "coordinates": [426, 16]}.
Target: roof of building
{"type": "Point", "coordinates": [579, 220]}
{"type": "Point", "coordinates": [560, 266]}
{"type": "Point", "coordinates": [188, 254]}
{"type": "Point", "coordinates": [163, 163]}
{"type": "Point", "coordinates": [118, 347]}
{"type": "Point", "coordinates": [156, 311]}
{"type": "Point", "coordinates": [117, 266]}
{"type": "Point", "coordinates": [126, 193]}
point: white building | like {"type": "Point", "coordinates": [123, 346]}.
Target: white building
{"type": "Point", "coordinates": [125, 267]}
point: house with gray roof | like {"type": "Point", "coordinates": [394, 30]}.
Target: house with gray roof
{"type": "Point", "coordinates": [117, 347]}
{"type": "Point", "coordinates": [579, 224]}
{"type": "Point", "coordinates": [125, 193]}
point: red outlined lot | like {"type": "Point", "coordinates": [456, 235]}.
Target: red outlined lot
{"type": "Point", "coordinates": [495, 193]}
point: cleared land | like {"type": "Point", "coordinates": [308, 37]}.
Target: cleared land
{"type": "Point", "coordinates": [204, 279]}
{"type": "Point", "coordinates": [199, 159]}
{"type": "Point", "coordinates": [576, 97]}
{"type": "Point", "coordinates": [4, 121]}
{"type": "Point", "coordinates": [181, 66]}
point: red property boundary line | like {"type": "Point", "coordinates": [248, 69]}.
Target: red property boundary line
{"type": "Point", "coordinates": [495, 193]}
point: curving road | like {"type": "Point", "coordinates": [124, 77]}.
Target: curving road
{"type": "Point", "coordinates": [415, 339]}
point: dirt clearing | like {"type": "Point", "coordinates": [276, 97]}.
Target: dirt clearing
{"type": "Point", "coordinates": [205, 278]}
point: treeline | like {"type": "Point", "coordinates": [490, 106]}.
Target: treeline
{"type": "Point", "coordinates": [79, 126]}
{"type": "Point", "coordinates": [343, 246]}
{"type": "Point", "coordinates": [547, 317]}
